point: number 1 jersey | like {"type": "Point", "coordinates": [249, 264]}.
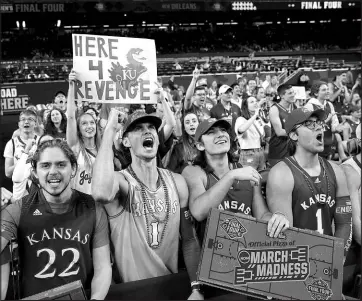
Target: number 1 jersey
{"type": "Point", "coordinates": [313, 198]}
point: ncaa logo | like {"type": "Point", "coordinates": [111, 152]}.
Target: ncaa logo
{"type": "Point", "coordinates": [244, 257]}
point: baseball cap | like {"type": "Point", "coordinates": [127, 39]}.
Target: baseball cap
{"type": "Point", "coordinates": [138, 117]}
{"type": "Point", "coordinates": [204, 126]}
{"type": "Point", "coordinates": [300, 115]}
{"type": "Point", "coordinates": [224, 88]}
{"type": "Point", "coordinates": [60, 92]}
{"type": "Point", "coordinates": [201, 82]}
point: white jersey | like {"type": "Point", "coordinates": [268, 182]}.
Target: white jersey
{"type": "Point", "coordinates": [83, 179]}
{"type": "Point", "coordinates": [145, 229]}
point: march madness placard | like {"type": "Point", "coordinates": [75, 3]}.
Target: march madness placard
{"type": "Point", "coordinates": [114, 69]}
{"type": "Point", "coordinates": [239, 256]}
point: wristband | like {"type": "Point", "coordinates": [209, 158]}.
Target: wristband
{"type": "Point", "coordinates": [281, 213]}
{"type": "Point", "coordinates": [24, 152]}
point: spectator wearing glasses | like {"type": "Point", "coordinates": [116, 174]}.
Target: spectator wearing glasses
{"type": "Point", "coordinates": [312, 192]}
{"type": "Point", "coordinates": [56, 124]}
{"type": "Point", "coordinates": [278, 114]}
{"type": "Point", "coordinates": [16, 146]}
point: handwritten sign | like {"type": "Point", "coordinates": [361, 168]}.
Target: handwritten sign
{"type": "Point", "coordinates": [299, 92]}
{"type": "Point", "coordinates": [239, 256]}
{"type": "Point", "coordinates": [114, 69]}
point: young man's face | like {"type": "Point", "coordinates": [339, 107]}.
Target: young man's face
{"type": "Point", "coordinates": [310, 136]}
{"type": "Point", "coordinates": [143, 141]}
{"type": "Point", "coordinates": [252, 84]}
{"type": "Point", "coordinates": [227, 96]}
{"type": "Point", "coordinates": [356, 114]}
{"type": "Point", "coordinates": [236, 90]}
{"type": "Point", "coordinates": [323, 93]}
{"type": "Point", "coordinates": [216, 141]}
{"type": "Point", "coordinates": [200, 97]}
{"type": "Point", "coordinates": [27, 123]}
{"type": "Point", "coordinates": [289, 95]}
{"type": "Point", "coordinates": [60, 101]}
{"type": "Point", "coordinates": [54, 170]}
{"type": "Point", "coordinates": [343, 78]}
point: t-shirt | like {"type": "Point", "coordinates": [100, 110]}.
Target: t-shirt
{"type": "Point", "coordinates": [250, 139]}
{"type": "Point", "coordinates": [201, 113]}
{"type": "Point", "coordinates": [15, 146]}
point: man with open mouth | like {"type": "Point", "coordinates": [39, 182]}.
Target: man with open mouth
{"type": "Point", "coordinates": [62, 233]}
{"type": "Point", "coordinates": [311, 191]}
{"type": "Point", "coordinates": [147, 206]}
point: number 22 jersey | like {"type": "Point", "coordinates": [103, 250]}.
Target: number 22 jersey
{"type": "Point", "coordinates": [313, 198]}
{"type": "Point", "coordinates": [55, 249]}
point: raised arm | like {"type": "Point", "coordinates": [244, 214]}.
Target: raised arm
{"type": "Point", "coordinates": [72, 137]}
{"type": "Point", "coordinates": [354, 184]}
{"type": "Point", "coordinates": [169, 117]}
{"type": "Point", "coordinates": [279, 190]}
{"type": "Point", "coordinates": [332, 97]}
{"type": "Point", "coordinates": [275, 122]}
{"type": "Point", "coordinates": [191, 89]}
{"type": "Point", "coordinates": [242, 125]}
{"type": "Point", "coordinates": [105, 181]}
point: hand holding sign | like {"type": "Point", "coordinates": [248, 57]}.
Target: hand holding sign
{"type": "Point", "coordinates": [114, 69]}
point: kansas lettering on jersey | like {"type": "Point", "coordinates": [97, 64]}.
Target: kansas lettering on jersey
{"type": "Point", "coordinates": [146, 242]}
{"type": "Point", "coordinates": [278, 147]}
{"type": "Point", "coordinates": [238, 199]}
{"type": "Point", "coordinates": [55, 249]}
{"type": "Point", "coordinates": [313, 211]}
{"type": "Point", "coordinates": [83, 179]}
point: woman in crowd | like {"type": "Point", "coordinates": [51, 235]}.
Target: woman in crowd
{"type": "Point", "coordinates": [23, 181]}
{"type": "Point", "coordinates": [56, 124]}
{"type": "Point", "coordinates": [84, 139]}
{"type": "Point", "coordinates": [249, 129]}
{"type": "Point", "coordinates": [211, 93]}
{"type": "Point", "coordinates": [264, 105]}
{"type": "Point", "coordinates": [185, 150]}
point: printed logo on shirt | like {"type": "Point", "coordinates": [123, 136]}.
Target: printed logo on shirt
{"type": "Point", "coordinates": [37, 212]}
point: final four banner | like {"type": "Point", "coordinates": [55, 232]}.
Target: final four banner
{"type": "Point", "coordinates": [114, 69]}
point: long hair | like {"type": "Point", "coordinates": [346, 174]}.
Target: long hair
{"type": "Point", "coordinates": [189, 150]}
{"type": "Point", "coordinates": [50, 128]}
{"type": "Point", "coordinates": [201, 160]}
{"type": "Point", "coordinates": [244, 109]}
{"type": "Point", "coordinates": [97, 140]}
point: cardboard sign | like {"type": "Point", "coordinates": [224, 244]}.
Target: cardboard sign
{"type": "Point", "coordinates": [114, 69]}
{"type": "Point", "coordinates": [299, 92]}
{"type": "Point", "coordinates": [238, 256]}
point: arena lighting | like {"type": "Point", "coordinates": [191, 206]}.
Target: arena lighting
{"type": "Point", "coordinates": [106, 26]}
{"type": "Point", "coordinates": [243, 6]}
{"type": "Point", "coordinates": [58, 23]}
{"type": "Point", "coordinates": [125, 15]}
{"type": "Point", "coordinates": [24, 24]}
{"type": "Point", "coordinates": [17, 24]}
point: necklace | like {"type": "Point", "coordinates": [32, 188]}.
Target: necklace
{"type": "Point", "coordinates": [146, 204]}
{"type": "Point", "coordinates": [308, 180]}
{"type": "Point", "coordinates": [92, 147]}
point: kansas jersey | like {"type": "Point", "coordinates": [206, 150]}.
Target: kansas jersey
{"type": "Point", "coordinates": [278, 147]}
{"type": "Point", "coordinates": [57, 247]}
{"type": "Point", "coordinates": [83, 179]}
{"type": "Point", "coordinates": [313, 198]}
{"type": "Point", "coordinates": [15, 147]}
{"type": "Point", "coordinates": [145, 229]}
{"type": "Point", "coordinates": [239, 199]}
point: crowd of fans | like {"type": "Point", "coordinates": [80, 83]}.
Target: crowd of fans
{"type": "Point", "coordinates": [252, 111]}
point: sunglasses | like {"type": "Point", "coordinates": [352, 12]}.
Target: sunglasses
{"type": "Point", "coordinates": [313, 124]}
